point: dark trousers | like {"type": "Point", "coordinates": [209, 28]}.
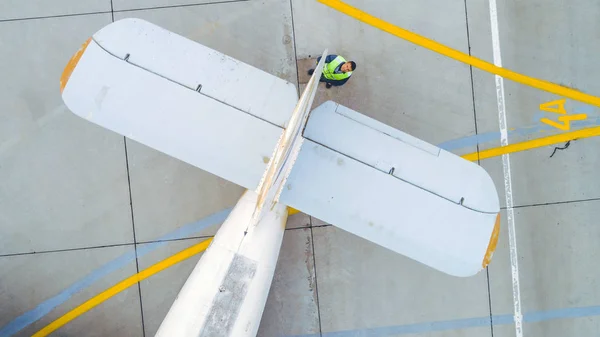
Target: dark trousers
{"type": "Point", "coordinates": [333, 82]}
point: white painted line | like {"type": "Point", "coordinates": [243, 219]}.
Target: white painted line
{"type": "Point", "coordinates": [510, 218]}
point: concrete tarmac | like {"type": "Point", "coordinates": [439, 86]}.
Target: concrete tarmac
{"type": "Point", "coordinates": [82, 208]}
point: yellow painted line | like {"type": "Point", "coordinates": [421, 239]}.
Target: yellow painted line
{"type": "Point", "coordinates": [534, 143]}
{"type": "Point", "coordinates": [126, 283]}
{"type": "Point", "coordinates": [459, 56]}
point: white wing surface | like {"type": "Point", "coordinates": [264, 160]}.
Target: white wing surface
{"type": "Point", "coordinates": [395, 190]}
{"type": "Point", "coordinates": [181, 98]}
{"type": "Point", "coordinates": [227, 117]}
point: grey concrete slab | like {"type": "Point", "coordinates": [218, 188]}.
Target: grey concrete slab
{"type": "Point", "coordinates": [15, 9]}
{"type": "Point", "coordinates": [362, 285]}
{"type": "Point", "coordinates": [396, 82]}
{"type": "Point", "coordinates": [303, 66]}
{"type": "Point", "coordinates": [160, 290]}
{"type": "Point", "coordinates": [167, 193]}
{"type": "Point", "coordinates": [63, 180]}
{"type": "Point", "coordinates": [28, 280]}
{"type": "Point", "coordinates": [569, 175]}
{"type": "Point", "coordinates": [255, 32]}
{"type": "Point", "coordinates": [586, 326]}
{"type": "Point", "coordinates": [553, 44]}
{"type": "Point", "coordinates": [291, 307]}
{"type": "Point", "coordinates": [558, 255]}
{"type": "Point", "coordinates": [139, 4]}
{"type": "Point", "coordinates": [505, 331]}
{"type": "Point", "coordinates": [298, 220]}
{"type": "Point", "coordinates": [538, 178]}
{"type": "Point", "coordinates": [314, 222]}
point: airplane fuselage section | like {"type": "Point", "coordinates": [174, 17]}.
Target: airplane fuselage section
{"type": "Point", "coordinates": [226, 292]}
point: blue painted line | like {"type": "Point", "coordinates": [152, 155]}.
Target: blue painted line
{"type": "Point", "coordinates": [523, 131]}
{"type": "Point", "coordinates": [463, 142]}
{"type": "Point", "coordinates": [466, 323]}
{"type": "Point", "coordinates": [48, 305]}
{"type": "Point", "coordinates": [45, 307]}
{"type": "Point", "coordinates": [561, 314]}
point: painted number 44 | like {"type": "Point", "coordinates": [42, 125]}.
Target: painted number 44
{"type": "Point", "coordinates": [558, 107]}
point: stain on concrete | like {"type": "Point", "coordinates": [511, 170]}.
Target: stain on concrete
{"type": "Point", "coordinates": [32, 102]}
{"type": "Point", "coordinates": [309, 263]}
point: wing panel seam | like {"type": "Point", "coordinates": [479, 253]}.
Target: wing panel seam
{"type": "Point", "coordinates": [396, 177]}
{"type": "Point", "coordinates": [183, 85]}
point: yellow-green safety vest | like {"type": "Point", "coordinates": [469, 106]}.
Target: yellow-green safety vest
{"type": "Point", "coordinates": [329, 69]}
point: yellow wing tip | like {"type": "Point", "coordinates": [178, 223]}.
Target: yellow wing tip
{"type": "Point", "coordinates": [64, 78]}
{"type": "Point", "coordinates": [493, 243]}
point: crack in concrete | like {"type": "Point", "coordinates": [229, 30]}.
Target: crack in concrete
{"type": "Point", "coordinates": [562, 148]}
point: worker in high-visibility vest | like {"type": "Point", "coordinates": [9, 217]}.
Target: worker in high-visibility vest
{"type": "Point", "coordinates": [336, 70]}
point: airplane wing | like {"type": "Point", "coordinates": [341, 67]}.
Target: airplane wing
{"type": "Point", "coordinates": [181, 98]}
{"type": "Point", "coordinates": [228, 118]}
{"type": "Point", "coordinates": [395, 190]}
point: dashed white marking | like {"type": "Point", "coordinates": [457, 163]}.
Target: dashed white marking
{"type": "Point", "coordinates": [510, 218]}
